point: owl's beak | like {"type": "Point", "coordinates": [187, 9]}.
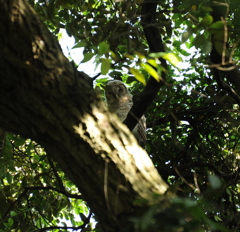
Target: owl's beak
{"type": "Point", "coordinates": [115, 94]}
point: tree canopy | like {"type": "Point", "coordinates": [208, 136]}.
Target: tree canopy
{"type": "Point", "coordinates": [67, 163]}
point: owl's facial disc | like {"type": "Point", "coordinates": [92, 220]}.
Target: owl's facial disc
{"type": "Point", "coordinates": [115, 90]}
{"type": "Point", "coordinates": [111, 94]}
{"type": "Point", "coordinates": [120, 90]}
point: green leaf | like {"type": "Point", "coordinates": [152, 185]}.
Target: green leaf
{"type": "Point", "coordinates": [65, 4]}
{"type": "Point", "coordinates": [152, 62]}
{"type": "Point", "coordinates": [218, 46]}
{"type": "Point", "coordinates": [203, 43]}
{"type": "Point", "coordinates": [13, 213]}
{"type": "Point", "coordinates": [172, 58]}
{"type": "Point", "coordinates": [10, 222]}
{"type": "Point", "coordinates": [87, 57]}
{"type": "Point", "coordinates": [207, 20]}
{"type": "Point", "coordinates": [114, 56]}
{"type": "Point", "coordinates": [115, 74]}
{"type": "Point", "coordinates": [80, 44]}
{"type": "Point", "coordinates": [215, 181]}
{"type": "Point", "coordinates": [138, 75]}
{"type": "Point", "coordinates": [198, 41]}
{"type": "Point", "coordinates": [29, 148]}
{"type": "Point", "coordinates": [157, 54]}
{"type": "Point", "coordinates": [34, 165]}
{"type": "Point", "coordinates": [10, 165]}
{"type": "Point", "coordinates": [103, 48]}
{"type": "Point", "coordinates": [130, 57]}
{"type": "Point", "coordinates": [140, 55]}
{"type": "Point", "coordinates": [42, 158]}
{"type": "Point", "coordinates": [9, 177]}
{"type": "Point", "coordinates": [228, 192]}
{"type": "Point", "coordinates": [3, 170]}
{"type": "Point", "coordinates": [217, 219]}
{"type": "Point", "coordinates": [149, 69]}
{"type": "Point", "coordinates": [105, 66]}
{"type": "Point", "coordinates": [186, 35]}
{"type": "Point", "coordinates": [8, 149]}
{"type": "Point", "coordinates": [219, 25]}
{"type": "Point", "coordinates": [206, 47]}
{"type": "Point", "coordinates": [219, 35]}
{"type": "Point", "coordinates": [18, 141]}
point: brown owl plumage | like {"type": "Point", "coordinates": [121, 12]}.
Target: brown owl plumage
{"type": "Point", "coordinates": [119, 101]}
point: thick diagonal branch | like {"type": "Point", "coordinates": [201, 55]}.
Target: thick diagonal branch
{"type": "Point", "coordinates": [155, 43]}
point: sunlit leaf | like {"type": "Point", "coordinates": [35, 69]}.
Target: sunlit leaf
{"type": "Point", "coordinates": [114, 56]}
{"type": "Point", "coordinates": [207, 20]}
{"type": "Point", "coordinates": [103, 48]}
{"type": "Point", "coordinates": [105, 66]}
{"type": "Point", "coordinates": [149, 69]}
{"type": "Point", "coordinates": [130, 57]}
{"type": "Point", "coordinates": [140, 55]}
{"type": "Point", "coordinates": [152, 62]}
{"type": "Point", "coordinates": [172, 58]}
{"type": "Point", "coordinates": [217, 25]}
{"type": "Point", "coordinates": [138, 75]}
{"type": "Point", "coordinates": [157, 54]}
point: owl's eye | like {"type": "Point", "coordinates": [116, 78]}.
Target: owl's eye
{"type": "Point", "coordinates": [121, 89]}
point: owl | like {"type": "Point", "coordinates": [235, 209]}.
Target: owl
{"type": "Point", "coordinates": [120, 101]}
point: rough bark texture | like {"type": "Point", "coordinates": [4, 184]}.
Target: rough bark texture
{"type": "Point", "coordinates": [2, 140]}
{"type": "Point", "coordinates": [43, 97]}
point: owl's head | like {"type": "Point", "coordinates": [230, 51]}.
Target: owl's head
{"type": "Point", "coordinates": [119, 99]}
{"type": "Point", "coordinates": [115, 90]}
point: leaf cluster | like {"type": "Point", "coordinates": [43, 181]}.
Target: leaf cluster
{"type": "Point", "coordinates": [35, 194]}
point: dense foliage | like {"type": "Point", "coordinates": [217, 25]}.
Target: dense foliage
{"type": "Point", "coordinates": [192, 124]}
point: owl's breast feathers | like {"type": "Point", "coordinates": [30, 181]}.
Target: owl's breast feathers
{"type": "Point", "coordinates": [120, 102]}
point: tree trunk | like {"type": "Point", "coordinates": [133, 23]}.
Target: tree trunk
{"type": "Point", "coordinates": [45, 98]}
{"type": "Point", "coordinates": [2, 140]}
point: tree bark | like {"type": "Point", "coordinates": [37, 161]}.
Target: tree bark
{"type": "Point", "coordinates": [2, 140]}
{"type": "Point", "coordinates": [43, 97]}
